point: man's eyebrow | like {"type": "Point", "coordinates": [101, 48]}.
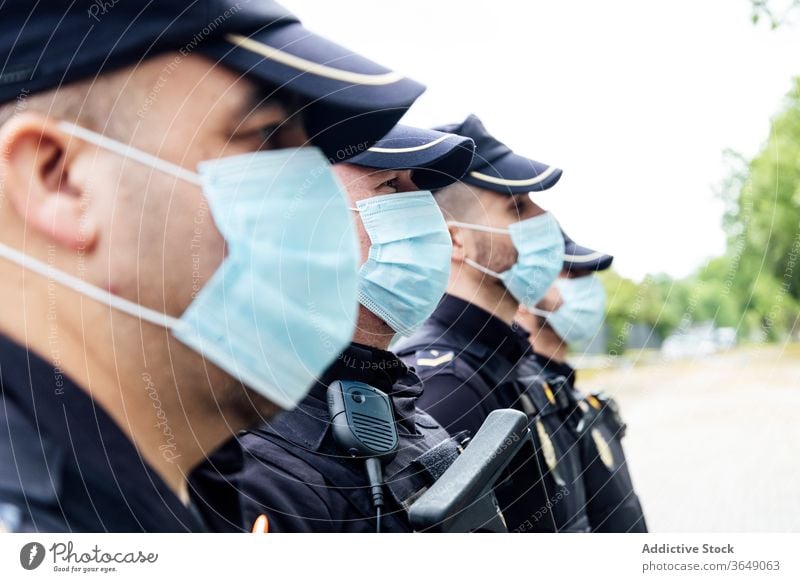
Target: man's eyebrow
{"type": "Point", "coordinates": [388, 174]}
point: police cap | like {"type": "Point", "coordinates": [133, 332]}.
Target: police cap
{"type": "Point", "coordinates": [349, 101]}
{"type": "Point", "coordinates": [496, 167]}
{"type": "Point", "coordinates": [436, 159]}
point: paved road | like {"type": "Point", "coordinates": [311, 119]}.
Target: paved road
{"type": "Point", "coordinates": [714, 444]}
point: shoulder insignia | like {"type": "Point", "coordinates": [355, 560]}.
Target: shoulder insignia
{"type": "Point", "coordinates": [433, 358]}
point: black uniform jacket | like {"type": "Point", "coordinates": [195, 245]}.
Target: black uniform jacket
{"type": "Point", "coordinates": [65, 465]}
{"type": "Point", "coordinates": [472, 363]}
{"type": "Point", "coordinates": [291, 470]}
{"type": "Point", "coordinates": [612, 503]}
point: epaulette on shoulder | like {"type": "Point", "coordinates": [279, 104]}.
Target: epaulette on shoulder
{"type": "Point", "coordinates": [433, 358]}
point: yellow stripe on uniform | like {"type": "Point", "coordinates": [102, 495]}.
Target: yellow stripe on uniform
{"type": "Point", "coordinates": [594, 402]}
{"type": "Point", "coordinates": [549, 393]}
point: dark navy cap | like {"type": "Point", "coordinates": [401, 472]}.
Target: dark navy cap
{"type": "Point", "coordinates": [437, 159]}
{"type": "Point", "coordinates": [348, 101]}
{"type": "Point", "coordinates": [580, 258]}
{"type": "Point", "coordinates": [496, 167]}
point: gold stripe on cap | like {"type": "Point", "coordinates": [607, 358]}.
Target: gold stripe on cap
{"type": "Point", "coordinates": [529, 182]}
{"type": "Point", "coordinates": [583, 258]}
{"type": "Point", "coordinates": [318, 69]}
{"type": "Point", "coordinates": [418, 148]}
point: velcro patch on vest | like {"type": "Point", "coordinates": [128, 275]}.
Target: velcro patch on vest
{"type": "Point", "coordinates": [438, 459]}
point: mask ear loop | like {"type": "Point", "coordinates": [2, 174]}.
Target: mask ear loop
{"type": "Point", "coordinates": [482, 269]}
{"type": "Point", "coordinates": [128, 151]}
{"type": "Point", "coordinates": [79, 285]}
{"type": "Point", "coordinates": [540, 312]}
{"type": "Point", "coordinates": [87, 289]}
{"type": "Point", "coordinates": [481, 228]}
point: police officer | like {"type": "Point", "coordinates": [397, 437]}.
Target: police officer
{"type": "Point", "coordinates": [143, 318]}
{"type": "Point", "coordinates": [612, 504]}
{"type": "Point", "coordinates": [291, 474]}
{"type": "Point", "coordinates": [507, 251]}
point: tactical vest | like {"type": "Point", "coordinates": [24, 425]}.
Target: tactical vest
{"type": "Point", "coordinates": [29, 494]}
{"type": "Point", "coordinates": [552, 408]}
{"type": "Point", "coordinates": [613, 506]}
{"type": "Point", "coordinates": [421, 458]}
{"type": "Point", "coordinates": [545, 493]}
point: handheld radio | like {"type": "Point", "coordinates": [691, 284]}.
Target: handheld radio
{"type": "Point", "coordinates": [363, 425]}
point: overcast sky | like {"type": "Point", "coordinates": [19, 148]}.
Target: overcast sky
{"type": "Point", "coordinates": [636, 101]}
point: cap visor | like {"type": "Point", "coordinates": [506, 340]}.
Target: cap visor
{"type": "Point", "coordinates": [580, 258]}
{"type": "Point", "coordinates": [437, 159]}
{"type": "Point", "coordinates": [514, 174]}
{"type": "Point", "coordinates": [350, 101]}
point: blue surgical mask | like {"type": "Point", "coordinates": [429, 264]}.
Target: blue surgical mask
{"type": "Point", "coordinates": [268, 315]}
{"type": "Point", "coordinates": [583, 309]}
{"type": "Point", "coordinates": [408, 266]}
{"type": "Point", "coordinates": [540, 256]}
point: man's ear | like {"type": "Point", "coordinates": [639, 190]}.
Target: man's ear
{"type": "Point", "coordinates": [35, 162]}
{"type": "Point", "coordinates": [456, 237]}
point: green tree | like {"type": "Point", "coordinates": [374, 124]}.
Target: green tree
{"type": "Point", "coordinates": [764, 228]}
{"type": "Point", "coordinates": [755, 286]}
{"type": "Point", "coordinates": [775, 12]}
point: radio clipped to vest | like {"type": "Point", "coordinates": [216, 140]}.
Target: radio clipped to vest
{"type": "Point", "coordinates": [363, 425]}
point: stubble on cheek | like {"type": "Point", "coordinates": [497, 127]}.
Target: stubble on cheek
{"type": "Point", "coordinates": [497, 255]}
